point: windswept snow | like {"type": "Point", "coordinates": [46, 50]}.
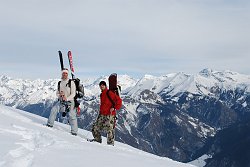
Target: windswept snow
{"type": "Point", "coordinates": [26, 142]}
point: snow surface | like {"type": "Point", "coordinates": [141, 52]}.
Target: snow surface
{"type": "Point", "coordinates": [244, 104]}
{"type": "Point", "coordinates": [26, 142]}
{"type": "Point", "coordinates": [200, 162]}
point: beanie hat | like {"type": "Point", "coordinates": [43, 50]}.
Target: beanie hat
{"type": "Point", "coordinates": [102, 83]}
{"type": "Point", "coordinates": [65, 70]}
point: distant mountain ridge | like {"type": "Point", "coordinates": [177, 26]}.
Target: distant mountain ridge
{"type": "Point", "coordinates": [203, 83]}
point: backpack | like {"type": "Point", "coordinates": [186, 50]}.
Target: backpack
{"type": "Point", "coordinates": [79, 89]}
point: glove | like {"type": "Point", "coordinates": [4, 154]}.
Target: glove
{"type": "Point", "coordinates": [64, 114]}
{"type": "Point", "coordinates": [78, 111]}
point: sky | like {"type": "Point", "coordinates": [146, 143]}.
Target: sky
{"type": "Point", "coordinates": [134, 37]}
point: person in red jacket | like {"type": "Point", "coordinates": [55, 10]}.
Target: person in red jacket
{"type": "Point", "coordinates": [109, 104]}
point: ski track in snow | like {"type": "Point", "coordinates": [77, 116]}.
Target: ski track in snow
{"type": "Point", "coordinates": [29, 142]}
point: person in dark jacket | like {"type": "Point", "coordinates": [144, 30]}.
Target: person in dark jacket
{"type": "Point", "coordinates": [109, 104]}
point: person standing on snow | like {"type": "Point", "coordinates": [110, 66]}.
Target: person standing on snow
{"type": "Point", "coordinates": [106, 118]}
{"type": "Point", "coordinates": [66, 92]}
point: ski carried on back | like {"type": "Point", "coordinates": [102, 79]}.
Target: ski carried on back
{"type": "Point", "coordinates": [61, 59]}
{"type": "Point", "coordinates": [71, 64]}
{"type": "Point", "coordinates": [79, 86]}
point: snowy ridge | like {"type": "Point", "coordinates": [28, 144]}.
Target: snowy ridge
{"type": "Point", "coordinates": [202, 83]}
{"type": "Point", "coordinates": [25, 142]}
{"type": "Point", "coordinates": [16, 92]}
{"type": "Point", "coordinates": [206, 82]}
{"type": "Point", "coordinates": [21, 92]}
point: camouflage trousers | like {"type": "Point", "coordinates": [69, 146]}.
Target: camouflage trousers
{"type": "Point", "coordinates": [104, 123]}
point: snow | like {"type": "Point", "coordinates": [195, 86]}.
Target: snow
{"type": "Point", "coordinates": [24, 91]}
{"type": "Point", "coordinates": [193, 124]}
{"type": "Point", "coordinates": [201, 83]}
{"type": "Point", "coordinates": [26, 142]}
{"type": "Point", "coordinates": [127, 126]}
{"type": "Point", "coordinates": [244, 104]}
{"type": "Point", "coordinates": [177, 120]}
{"type": "Point", "coordinates": [92, 85]}
{"type": "Point", "coordinates": [176, 99]}
{"type": "Point", "coordinates": [206, 130]}
{"type": "Point", "coordinates": [131, 109]}
{"type": "Point", "coordinates": [203, 130]}
{"type": "Point", "coordinates": [200, 162]}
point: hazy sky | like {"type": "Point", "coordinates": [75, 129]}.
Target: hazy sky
{"type": "Point", "coordinates": [133, 37]}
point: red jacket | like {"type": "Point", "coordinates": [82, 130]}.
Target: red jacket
{"type": "Point", "coordinates": [106, 104]}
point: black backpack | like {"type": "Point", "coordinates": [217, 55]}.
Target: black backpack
{"type": "Point", "coordinates": [79, 89]}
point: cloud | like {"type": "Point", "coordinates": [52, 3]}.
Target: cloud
{"type": "Point", "coordinates": [133, 36]}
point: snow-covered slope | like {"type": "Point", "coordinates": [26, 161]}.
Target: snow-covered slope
{"type": "Point", "coordinates": [26, 142]}
{"type": "Point", "coordinates": [200, 162]}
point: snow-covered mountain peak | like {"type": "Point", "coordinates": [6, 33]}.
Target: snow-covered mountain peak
{"type": "Point", "coordinates": [206, 72]}
{"type": "Point", "coordinates": [126, 82]}
{"type": "Point", "coordinates": [147, 76]}
{"type": "Point", "coordinates": [4, 78]}
{"type": "Point", "coordinates": [170, 75]}
{"type": "Point", "coordinates": [201, 83]}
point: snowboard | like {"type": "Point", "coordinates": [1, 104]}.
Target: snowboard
{"type": "Point", "coordinates": [113, 82]}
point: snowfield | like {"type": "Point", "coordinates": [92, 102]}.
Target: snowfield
{"type": "Point", "coordinates": [26, 142]}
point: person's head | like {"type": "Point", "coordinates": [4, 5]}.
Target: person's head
{"type": "Point", "coordinates": [103, 85]}
{"type": "Point", "coordinates": [65, 73]}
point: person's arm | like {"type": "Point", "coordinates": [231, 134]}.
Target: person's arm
{"type": "Point", "coordinates": [57, 90]}
{"type": "Point", "coordinates": [118, 103]}
{"type": "Point", "coordinates": [117, 100]}
{"type": "Point", "coordinates": [73, 91]}
{"type": "Point", "coordinates": [58, 94]}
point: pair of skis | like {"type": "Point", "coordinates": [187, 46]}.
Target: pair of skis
{"type": "Point", "coordinates": [70, 58]}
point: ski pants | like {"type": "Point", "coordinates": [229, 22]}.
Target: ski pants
{"type": "Point", "coordinates": [104, 123]}
{"type": "Point", "coordinates": [58, 107]}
